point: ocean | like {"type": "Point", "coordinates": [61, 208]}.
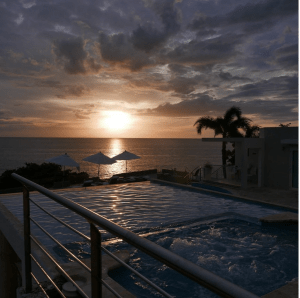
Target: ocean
{"type": "Point", "coordinates": [182, 154]}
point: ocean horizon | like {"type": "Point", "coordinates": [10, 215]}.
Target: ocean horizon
{"type": "Point", "coordinates": [155, 153]}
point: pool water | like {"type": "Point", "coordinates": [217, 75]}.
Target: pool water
{"type": "Point", "coordinates": [256, 258]}
{"type": "Point", "coordinates": [220, 234]}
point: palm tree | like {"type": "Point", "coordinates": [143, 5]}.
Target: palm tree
{"type": "Point", "coordinates": [228, 126]}
{"type": "Point", "coordinates": [252, 131]}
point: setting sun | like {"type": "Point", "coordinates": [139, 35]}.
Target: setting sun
{"type": "Point", "coordinates": [116, 120]}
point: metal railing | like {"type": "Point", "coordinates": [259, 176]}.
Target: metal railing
{"type": "Point", "coordinates": [218, 171]}
{"type": "Point", "coordinates": [201, 276]}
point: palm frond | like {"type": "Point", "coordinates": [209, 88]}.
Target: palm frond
{"type": "Point", "coordinates": [205, 122]}
{"type": "Point", "coordinates": [231, 113]}
{"type": "Point", "coordinates": [252, 131]}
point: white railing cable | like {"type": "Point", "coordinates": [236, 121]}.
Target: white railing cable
{"type": "Point", "coordinates": [63, 272]}
{"type": "Point", "coordinates": [40, 286]}
{"type": "Point", "coordinates": [48, 277]}
{"type": "Point", "coordinates": [64, 248]}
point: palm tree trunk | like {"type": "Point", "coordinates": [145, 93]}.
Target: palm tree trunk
{"type": "Point", "coordinates": [224, 159]}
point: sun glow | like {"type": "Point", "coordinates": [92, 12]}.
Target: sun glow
{"type": "Point", "coordinates": [116, 120]}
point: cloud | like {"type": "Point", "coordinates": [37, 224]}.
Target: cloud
{"type": "Point", "coordinates": [207, 53]}
{"type": "Point", "coordinates": [75, 59]}
{"type": "Point", "coordinates": [117, 50]}
{"type": "Point", "coordinates": [147, 37]}
{"type": "Point", "coordinates": [287, 56]}
{"type": "Point", "coordinates": [78, 90]}
{"type": "Point", "coordinates": [267, 99]}
{"type": "Point", "coordinates": [80, 116]}
{"type": "Point", "coordinates": [261, 11]}
{"type": "Point", "coordinates": [226, 76]}
{"type": "Point", "coordinates": [205, 105]}
{"type": "Point", "coordinates": [202, 103]}
{"type": "Point", "coordinates": [253, 17]}
{"type": "Point", "coordinates": [273, 88]}
{"type": "Point", "coordinates": [5, 114]}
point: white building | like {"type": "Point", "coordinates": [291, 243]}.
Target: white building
{"type": "Point", "coordinates": [270, 160]}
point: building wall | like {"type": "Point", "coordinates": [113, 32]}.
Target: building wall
{"type": "Point", "coordinates": [277, 157]}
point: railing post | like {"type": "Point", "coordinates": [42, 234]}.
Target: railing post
{"type": "Point", "coordinates": [96, 263]}
{"type": "Point", "coordinates": [27, 243]}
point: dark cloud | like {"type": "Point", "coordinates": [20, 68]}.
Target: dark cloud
{"type": "Point", "coordinates": [261, 11]}
{"type": "Point", "coordinates": [49, 84]}
{"type": "Point", "coordinates": [183, 85]}
{"type": "Point", "coordinates": [253, 17]}
{"type": "Point", "coordinates": [73, 55]}
{"type": "Point", "coordinates": [5, 114]}
{"type": "Point", "coordinates": [148, 37]}
{"type": "Point", "coordinates": [202, 103]}
{"type": "Point", "coordinates": [78, 90]}
{"type": "Point", "coordinates": [226, 76]}
{"type": "Point", "coordinates": [205, 105]}
{"type": "Point", "coordinates": [287, 56]}
{"type": "Point", "coordinates": [206, 53]}
{"type": "Point", "coordinates": [117, 49]}
{"type": "Point", "coordinates": [50, 12]}
{"type": "Point", "coordinates": [275, 87]}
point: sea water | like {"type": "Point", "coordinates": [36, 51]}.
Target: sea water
{"type": "Point", "coordinates": [183, 154]}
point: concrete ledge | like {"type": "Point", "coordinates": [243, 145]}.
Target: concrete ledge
{"type": "Point", "coordinates": [12, 229]}
{"type": "Point", "coordinates": [78, 273]}
{"type": "Point", "coordinates": [288, 291]}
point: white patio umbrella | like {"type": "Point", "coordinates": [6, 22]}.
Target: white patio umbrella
{"type": "Point", "coordinates": [99, 159]}
{"type": "Point", "coordinates": [126, 156]}
{"type": "Point", "coordinates": [64, 160]}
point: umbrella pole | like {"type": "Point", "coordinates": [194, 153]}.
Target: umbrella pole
{"type": "Point", "coordinates": [99, 171]}
{"type": "Point", "coordinates": [63, 176]}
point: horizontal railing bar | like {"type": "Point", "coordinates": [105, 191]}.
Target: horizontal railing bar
{"type": "Point", "coordinates": [62, 222]}
{"type": "Point", "coordinates": [40, 286]}
{"type": "Point", "coordinates": [158, 289]}
{"type": "Point", "coordinates": [64, 273]}
{"type": "Point", "coordinates": [200, 275]}
{"type": "Point", "coordinates": [64, 248]}
{"type": "Point", "coordinates": [48, 277]}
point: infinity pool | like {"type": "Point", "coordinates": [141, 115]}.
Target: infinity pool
{"type": "Point", "coordinates": [220, 234]}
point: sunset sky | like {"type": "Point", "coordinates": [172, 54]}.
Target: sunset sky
{"type": "Point", "coordinates": [143, 68]}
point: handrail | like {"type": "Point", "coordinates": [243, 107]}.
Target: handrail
{"type": "Point", "coordinates": [200, 275]}
{"type": "Point", "coordinates": [215, 171]}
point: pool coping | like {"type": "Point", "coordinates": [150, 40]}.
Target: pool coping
{"type": "Point", "coordinates": [199, 189]}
